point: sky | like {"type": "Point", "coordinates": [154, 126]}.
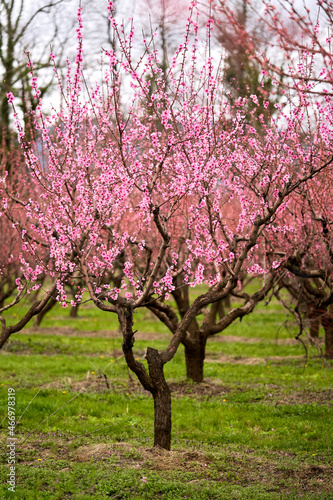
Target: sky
{"type": "Point", "coordinates": [39, 38]}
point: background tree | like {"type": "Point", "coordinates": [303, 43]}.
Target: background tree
{"type": "Point", "coordinates": [295, 31]}
{"type": "Point", "coordinates": [243, 73]}
{"type": "Point", "coordinates": [17, 26]}
{"type": "Point", "coordinates": [167, 17]}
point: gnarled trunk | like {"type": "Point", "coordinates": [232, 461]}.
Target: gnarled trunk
{"type": "Point", "coordinates": [195, 351]}
{"type": "Point", "coordinates": [155, 382]}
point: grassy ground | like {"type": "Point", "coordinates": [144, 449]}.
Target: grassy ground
{"type": "Point", "coordinates": [259, 427]}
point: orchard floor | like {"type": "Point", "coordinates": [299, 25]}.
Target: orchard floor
{"type": "Point", "coordinates": [259, 427]}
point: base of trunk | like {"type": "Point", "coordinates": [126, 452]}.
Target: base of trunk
{"type": "Point", "coordinates": [162, 400]}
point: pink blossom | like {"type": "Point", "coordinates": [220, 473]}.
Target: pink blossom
{"type": "Point", "coordinates": [10, 97]}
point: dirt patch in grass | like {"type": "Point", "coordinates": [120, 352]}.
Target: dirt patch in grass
{"type": "Point", "coordinates": [324, 397]}
{"type": "Point", "coordinates": [92, 452]}
{"type": "Point", "coordinates": [240, 360]}
{"type": "Point", "coordinates": [67, 331]}
{"type": "Point", "coordinates": [154, 458]}
{"type": "Point", "coordinates": [254, 340]}
{"type": "Point", "coordinates": [91, 383]}
{"type": "Point", "coordinates": [203, 390]}
{"type": "Point", "coordinates": [268, 394]}
{"type": "Point", "coordinates": [178, 389]}
{"type": "Point", "coordinates": [35, 347]}
{"type": "Point", "coordinates": [258, 393]}
{"type": "Point", "coordinates": [98, 383]}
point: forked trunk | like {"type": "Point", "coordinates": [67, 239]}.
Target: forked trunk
{"type": "Point", "coordinates": [155, 382]}
{"type": "Point", "coordinates": [195, 351]}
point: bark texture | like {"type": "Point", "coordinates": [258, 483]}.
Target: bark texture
{"type": "Point", "coordinates": [162, 400]}
{"type": "Point", "coordinates": [327, 322]}
{"type": "Point", "coordinates": [313, 318]}
{"type": "Point", "coordinates": [195, 352]}
{"type": "Point", "coordinates": [5, 334]}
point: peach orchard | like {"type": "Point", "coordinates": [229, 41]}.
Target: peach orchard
{"type": "Point", "coordinates": [164, 187]}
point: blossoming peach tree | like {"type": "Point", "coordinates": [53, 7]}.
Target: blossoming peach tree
{"type": "Point", "coordinates": [157, 178]}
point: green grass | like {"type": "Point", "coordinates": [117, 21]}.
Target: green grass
{"type": "Point", "coordinates": [259, 427]}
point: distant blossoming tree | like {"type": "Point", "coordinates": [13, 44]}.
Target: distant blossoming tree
{"type": "Point", "coordinates": [301, 54]}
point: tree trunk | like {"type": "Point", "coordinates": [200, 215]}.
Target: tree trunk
{"type": "Point", "coordinates": [162, 400]}
{"type": "Point", "coordinates": [327, 322]}
{"type": "Point", "coordinates": [313, 319]}
{"type": "Point", "coordinates": [155, 382]}
{"type": "Point", "coordinates": [74, 311]}
{"type": "Point", "coordinates": [195, 351]}
{"type": "Point", "coordinates": [162, 418]}
{"type": "Point", "coordinates": [8, 287]}
{"type": "Point", "coordinates": [220, 308]}
{"type": "Point", "coordinates": [4, 336]}
{"type": "Point", "coordinates": [227, 302]}
{"type": "Point", "coordinates": [39, 318]}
